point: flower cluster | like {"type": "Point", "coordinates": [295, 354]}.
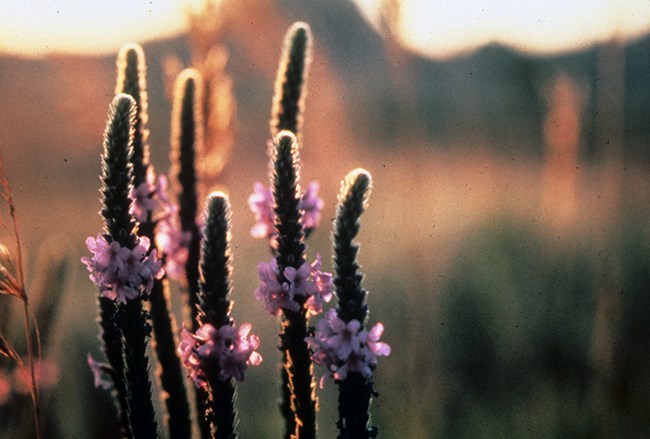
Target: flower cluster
{"type": "Point", "coordinates": [344, 347]}
{"type": "Point", "coordinates": [173, 242]}
{"type": "Point", "coordinates": [260, 203]}
{"type": "Point", "coordinates": [306, 281]}
{"type": "Point", "coordinates": [149, 198]}
{"type": "Point", "coordinates": [151, 202]}
{"type": "Point", "coordinates": [119, 272]}
{"type": "Point", "coordinates": [101, 373]}
{"type": "Point", "coordinates": [311, 205]}
{"type": "Point", "coordinates": [227, 349]}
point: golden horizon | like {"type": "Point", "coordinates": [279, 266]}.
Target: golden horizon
{"type": "Point", "coordinates": [33, 28]}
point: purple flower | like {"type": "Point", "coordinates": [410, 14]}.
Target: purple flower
{"type": "Point", "coordinates": [323, 291]}
{"type": "Point", "coordinates": [343, 347]}
{"type": "Point", "coordinates": [311, 205]}
{"type": "Point", "coordinates": [299, 280]}
{"type": "Point", "coordinates": [238, 355]}
{"type": "Point", "coordinates": [121, 273]}
{"type": "Point", "coordinates": [276, 296]}
{"type": "Point", "coordinates": [214, 341]}
{"type": "Point", "coordinates": [152, 202]}
{"type": "Point", "coordinates": [173, 242]}
{"type": "Point", "coordinates": [190, 358]}
{"type": "Point", "coordinates": [380, 349]}
{"type": "Point", "coordinates": [306, 281]}
{"type": "Point", "coordinates": [100, 373]}
{"type": "Point", "coordinates": [150, 199]}
{"type": "Point", "coordinates": [228, 349]}
{"type": "Point", "coordinates": [260, 203]}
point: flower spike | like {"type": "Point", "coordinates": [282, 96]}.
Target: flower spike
{"type": "Point", "coordinates": [218, 351]}
{"type": "Point", "coordinates": [341, 343]}
{"type": "Point", "coordinates": [151, 208]}
{"type": "Point", "coordinates": [124, 274]}
{"type": "Point", "coordinates": [186, 144]}
{"type": "Point", "coordinates": [289, 97]}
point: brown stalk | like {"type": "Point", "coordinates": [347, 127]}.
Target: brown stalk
{"type": "Point", "coordinates": [7, 194]}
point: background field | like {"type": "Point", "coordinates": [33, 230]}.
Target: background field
{"type": "Point", "coordinates": [510, 268]}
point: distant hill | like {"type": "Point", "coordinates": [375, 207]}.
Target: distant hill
{"type": "Point", "coordinates": [491, 97]}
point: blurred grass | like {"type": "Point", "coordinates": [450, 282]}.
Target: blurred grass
{"type": "Point", "coordinates": [490, 312]}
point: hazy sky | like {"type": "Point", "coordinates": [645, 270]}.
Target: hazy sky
{"type": "Point", "coordinates": [437, 27]}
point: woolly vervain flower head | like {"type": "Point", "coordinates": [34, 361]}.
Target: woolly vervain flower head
{"type": "Point", "coordinates": [307, 281]}
{"type": "Point", "coordinates": [311, 206]}
{"type": "Point", "coordinates": [121, 273]}
{"type": "Point", "coordinates": [228, 349]}
{"type": "Point", "coordinates": [323, 292]}
{"type": "Point", "coordinates": [260, 203]}
{"type": "Point", "coordinates": [276, 296]}
{"type": "Point", "coordinates": [236, 356]}
{"type": "Point", "coordinates": [150, 199]}
{"type": "Point", "coordinates": [190, 358]}
{"type": "Point", "coordinates": [173, 243]}
{"type": "Point", "coordinates": [299, 280]}
{"type": "Point", "coordinates": [345, 347]}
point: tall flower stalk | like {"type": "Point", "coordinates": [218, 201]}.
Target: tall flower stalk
{"type": "Point", "coordinates": [186, 138]}
{"type": "Point", "coordinates": [286, 114]}
{"type": "Point", "coordinates": [124, 272]}
{"type": "Point", "coordinates": [12, 282]}
{"type": "Point", "coordinates": [290, 258]}
{"type": "Point", "coordinates": [218, 353]}
{"type": "Point", "coordinates": [186, 144]}
{"type": "Point", "coordinates": [341, 344]}
{"type": "Point", "coordinates": [132, 81]}
{"type": "Point", "coordinates": [290, 90]}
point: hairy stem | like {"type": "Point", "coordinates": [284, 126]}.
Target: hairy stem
{"type": "Point", "coordinates": [355, 392]}
{"type": "Point", "coordinates": [290, 253]}
{"type": "Point", "coordinates": [186, 141]}
{"type": "Point", "coordinates": [132, 80]}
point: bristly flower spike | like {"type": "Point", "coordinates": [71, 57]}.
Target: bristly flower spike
{"type": "Point", "coordinates": [299, 393]}
{"type": "Point", "coordinates": [186, 144]}
{"type": "Point", "coordinates": [218, 352]}
{"type": "Point", "coordinates": [131, 79]}
{"type": "Point", "coordinates": [186, 138]}
{"type": "Point", "coordinates": [149, 197]}
{"type": "Point", "coordinates": [117, 172]}
{"type": "Point", "coordinates": [290, 92]}
{"type": "Point", "coordinates": [352, 202]}
{"type": "Point", "coordinates": [341, 344]}
{"type": "Point", "coordinates": [118, 130]}
{"type": "Point", "coordinates": [215, 263]}
{"type": "Point", "coordinates": [124, 274]}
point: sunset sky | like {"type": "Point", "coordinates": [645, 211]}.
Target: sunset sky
{"type": "Point", "coordinates": [434, 27]}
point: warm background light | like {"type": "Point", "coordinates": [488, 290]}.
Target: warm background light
{"type": "Point", "coordinates": [447, 26]}
{"type": "Point", "coordinates": [37, 27]}
{"type": "Point", "coordinates": [439, 28]}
